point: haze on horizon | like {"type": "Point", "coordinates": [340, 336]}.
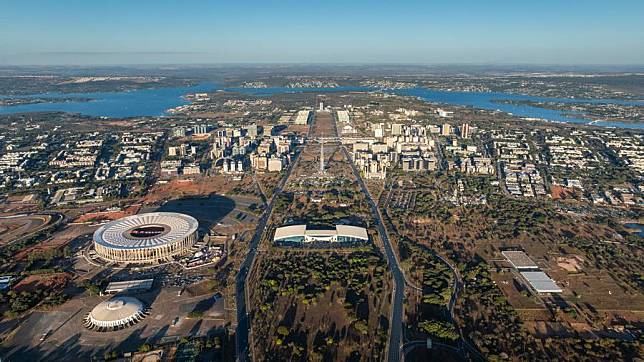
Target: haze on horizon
{"type": "Point", "coordinates": [421, 32]}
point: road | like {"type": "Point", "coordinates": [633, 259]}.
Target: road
{"type": "Point", "coordinates": [471, 352]}
{"type": "Point", "coordinates": [409, 346]}
{"type": "Point", "coordinates": [243, 321]}
{"type": "Point", "coordinates": [242, 332]}
{"type": "Point", "coordinates": [442, 161]}
{"type": "Point", "coordinates": [464, 345]}
{"type": "Point", "coordinates": [395, 334]}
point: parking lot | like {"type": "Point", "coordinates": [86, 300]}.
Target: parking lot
{"type": "Point", "coordinates": [66, 335]}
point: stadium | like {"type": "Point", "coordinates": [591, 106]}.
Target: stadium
{"type": "Point", "coordinates": [146, 238]}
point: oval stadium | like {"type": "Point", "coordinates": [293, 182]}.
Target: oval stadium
{"type": "Point", "coordinates": [146, 238]}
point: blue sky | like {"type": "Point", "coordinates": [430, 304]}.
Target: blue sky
{"type": "Point", "coordinates": [350, 31]}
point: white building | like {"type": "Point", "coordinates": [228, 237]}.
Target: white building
{"type": "Point", "coordinates": [301, 234]}
{"type": "Point", "coordinates": [116, 313]}
{"type": "Point", "coordinates": [302, 117]}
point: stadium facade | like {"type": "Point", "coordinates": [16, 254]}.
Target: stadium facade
{"type": "Point", "coordinates": [146, 238]}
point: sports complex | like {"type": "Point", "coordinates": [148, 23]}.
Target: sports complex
{"type": "Point", "coordinates": [146, 238]}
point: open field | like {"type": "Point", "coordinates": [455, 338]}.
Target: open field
{"type": "Point", "coordinates": [20, 226]}
{"type": "Point", "coordinates": [201, 186]}
{"type": "Point", "coordinates": [56, 242]}
{"type": "Point", "coordinates": [324, 125]}
{"type": "Point", "coordinates": [108, 215]}
{"type": "Point", "coordinates": [31, 283]}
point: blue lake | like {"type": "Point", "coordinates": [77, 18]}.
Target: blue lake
{"type": "Point", "coordinates": [154, 102]}
{"type": "Point", "coordinates": [143, 102]}
{"type": "Point", "coordinates": [638, 227]}
{"type": "Point", "coordinates": [486, 100]}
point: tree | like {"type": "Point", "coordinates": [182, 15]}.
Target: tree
{"type": "Point", "coordinates": [439, 329]}
{"type": "Point", "coordinates": [362, 327]}
{"type": "Point", "coordinates": [281, 330]}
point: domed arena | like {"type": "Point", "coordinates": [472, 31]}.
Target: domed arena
{"type": "Point", "coordinates": [116, 313]}
{"type": "Point", "coordinates": [146, 238]}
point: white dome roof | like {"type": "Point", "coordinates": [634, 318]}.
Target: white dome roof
{"type": "Point", "coordinates": [116, 309]}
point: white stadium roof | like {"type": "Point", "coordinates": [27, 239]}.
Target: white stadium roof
{"type": "Point", "coordinates": [541, 282]}
{"type": "Point", "coordinates": [353, 231]}
{"type": "Point", "coordinates": [117, 234]}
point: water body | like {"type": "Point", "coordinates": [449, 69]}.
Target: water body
{"type": "Point", "coordinates": [155, 102]}
{"type": "Point", "coordinates": [284, 90]}
{"type": "Point", "coordinates": [638, 227]}
{"type": "Point", "coordinates": [487, 100]}
{"type": "Point", "coordinates": [142, 102]}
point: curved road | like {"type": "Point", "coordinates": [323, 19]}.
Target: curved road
{"type": "Point", "coordinates": [464, 345]}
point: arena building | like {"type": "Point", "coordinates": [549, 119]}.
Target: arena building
{"type": "Point", "coordinates": [302, 234]}
{"type": "Point", "coordinates": [116, 313]}
{"type": "Point", "coordinates": [146, 238]}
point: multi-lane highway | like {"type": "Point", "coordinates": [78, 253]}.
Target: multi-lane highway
{"type": "Point", "coordinates": [243, 322]}
{"type": "Point", "coordinates": [395, 333]}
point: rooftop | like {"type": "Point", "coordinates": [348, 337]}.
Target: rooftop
{"type": "Point", "coordinates": [541, 282]}
{"type": "Point", "coordinates": [302, 230]}
{"type": "Point", "coordinates": [519, 259]}
{"type": "Point", "coordinates": [146, 230]}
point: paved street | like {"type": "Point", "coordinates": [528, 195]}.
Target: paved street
{"type": "Point", "coordinates": [395, 335]}
{"type": "Point", "coordinates": [243, 322]}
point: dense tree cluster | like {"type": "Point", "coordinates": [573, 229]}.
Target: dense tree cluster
{"type": "Point", "coordinates": [355, 280]}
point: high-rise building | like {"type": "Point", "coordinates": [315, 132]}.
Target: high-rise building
{"type": "Point", "coordinates": [446, 129]}
{"type": "Point", "coordinates": [200, 129]}
{"type": "Point", "coordinates": [178, 132]}
{"type": "Point", "coordinates": [465, 130]}
{"type": "Point", "coordinates": [251, 131]}
{"type": "Point", "coordinates": [396, 129]}
{"type": "Point", "coordinates": [275, 164]}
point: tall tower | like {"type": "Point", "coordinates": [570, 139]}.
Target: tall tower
{"type": "Point", "coordinates": [322, 156]}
